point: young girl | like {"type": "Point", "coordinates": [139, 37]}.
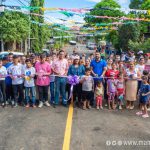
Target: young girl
{"type": "Point", "coordinates": [120, 90]}
{"type": "Point", "coordinates": [144, 94]}
{"type": "Point", "coordinates": [99, 93]}
{"type": "Point", "coordinates": [111, 91]}
{"type": "Point", "coordinates": [87, 88]}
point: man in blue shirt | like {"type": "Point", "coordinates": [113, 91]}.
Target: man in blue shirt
{"type": "Point", "coordinates": [8, 80]}
{"type": "Point", "coordinates": [98, 66]}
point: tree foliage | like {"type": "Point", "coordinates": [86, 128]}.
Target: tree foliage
{"type": "Point", "coordinates": [14, 26]}
{"type": "Point", "coordinates": [135, 4]}
{"type": "Point", "coordinates": [39, 34]}
{"type": "Point", "coordinates": [104, 8]}
{"type": "Point", "coordinates": [128, 32]}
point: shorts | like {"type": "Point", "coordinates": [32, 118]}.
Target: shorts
{"type": "Point", "coordinates": [144, 100]}
{"type": "Point", "coordinates": [87, 95]}
{"type": "Point", "coordinates": [120, 92]}
{"type": "Point", "coordinates": [111, 96]}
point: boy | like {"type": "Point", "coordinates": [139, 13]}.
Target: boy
{"type": "Point", "coordinates": [15, 71]}
{"type": "Point", "coordinates": [29, 73]}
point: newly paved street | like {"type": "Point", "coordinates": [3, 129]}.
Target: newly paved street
{"type": "Point", "coordinates": [44, 129]}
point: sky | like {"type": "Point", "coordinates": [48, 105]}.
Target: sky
{"type": "Point", "coordinates": [54, 17]}
{"type": "Point", "coordinates": [68, 3]}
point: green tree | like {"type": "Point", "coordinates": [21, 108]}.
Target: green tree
{"type": "Point", "coordinates": [104, 8]}
{"type": "Point", "coordinates": [128, 32]}
{"type": "Point", "coordinates": [39, 34]}
{"type": "Point", "coordinates": [135, 4]}
{"type": "Point", "coordinates": [14, 27]}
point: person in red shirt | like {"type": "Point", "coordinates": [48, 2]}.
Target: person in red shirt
{"type": "Point", "coordinates": [112, 71]}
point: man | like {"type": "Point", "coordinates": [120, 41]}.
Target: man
{"type": "Point", "coordinates": [60, 69]}
{"type": "Point", "coordinates": [10, 57]}
{"type": "Point", "coordinates": [98, 66]}
{"type": "Point", "coordinates": [43, 71]}
{"type": "Point", "coordinates": [8, 81]}
{"type": "Point", "coordinates": [15, 71]}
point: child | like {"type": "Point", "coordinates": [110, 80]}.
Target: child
{"type": "Point", "coordinates": [144, 94]}
{"type": "Point", "coordinates": [87, 88]}
{"type": "Point", "coordinates": [111, 91]}
{"type": "Point", "coordinates": [120, 90]}
{"type": "Point", "coordinates": [29, 73]}
{"type": "Point", "coordinates": [3, 73]}
{"type": "Point", "coordinates": [99, 93]}
{"type": "Point", "coordinates": [15, 71]}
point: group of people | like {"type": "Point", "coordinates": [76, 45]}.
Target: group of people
{"type": "Point", "coordinates": [26, 80]}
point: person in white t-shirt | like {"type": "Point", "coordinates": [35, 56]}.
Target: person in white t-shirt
{"type": "Point", "coordinates": [3, 73]}
{"type": "Point", "coordinates": [141, 65]}
{"type": "Point", "coordinates": [16, 71]}
{"type": "Point", "coordinates": [29, 74]}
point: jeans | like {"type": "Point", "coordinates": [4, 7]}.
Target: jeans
{"type": "Point", "coordinates": [52, 92]}
{"type": "Point", "coordinates": [2, 88]}
{"type": "Point", "coordinates": [30, 91]}
{"type": "Point", "coordinates": [60, 88]}
{"type": "Point", "coordinates": [18, 91]}
{"type": "Point", "coordinates": [43, 93]}
{"type": "Point", "coordinates": [9, 92]}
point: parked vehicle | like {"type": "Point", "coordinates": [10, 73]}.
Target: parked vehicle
{"type": "Point", "coordinates": [4, 54]}
{"type": "Point", "coordinates": [91, 46]}
{"type": "Point", "coordinates": [72, 42]}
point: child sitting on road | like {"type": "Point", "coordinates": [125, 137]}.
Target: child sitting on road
{"type": "Point", "coordinates": [87, 88]}
{"type": "Point", "coordinates": [99, 93]}
{"type": "Point", "coordinates": [120, 90]}
{"type": "Point", "coordinates": [144, 94]}
{"type": "Point", "coordinates": [111, 91]}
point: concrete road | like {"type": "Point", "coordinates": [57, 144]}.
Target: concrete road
{"type": "Point", "coordinates": [43, 129]}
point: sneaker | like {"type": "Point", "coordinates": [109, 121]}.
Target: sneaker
{"type": "Point", "coordinates": [97, 107]}
{"type": "Point", "coordinates": [27, 106]}
{"type": "Point", "coordinates": [3, 104]}
{"type": "Point", "coordinates": [40, 104]}
{"type": "Point", "coordinates": [120, 107]}
{"type": "Point", "coordinates": [139, 113]}
{"type": "Point", "coordinates": [47, 104]}
{"type": "Point", "coordinates": [101, 107]}
{"type": "Point", "coordinates": [15, 105]}
{"type": "Point", "coordinates": [145, 116]}
{"type": "Point", "coordinates": [34, 106]}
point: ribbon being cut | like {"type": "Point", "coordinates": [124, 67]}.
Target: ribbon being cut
{"type": "Point", "coordinates": [73, 80]}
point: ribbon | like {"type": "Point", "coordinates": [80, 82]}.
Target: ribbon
{"type": "Point", "coordinates": [73, 80]}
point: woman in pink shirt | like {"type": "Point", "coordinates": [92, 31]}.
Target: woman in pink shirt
{"type": "Point", "coordinates": [43, 70]}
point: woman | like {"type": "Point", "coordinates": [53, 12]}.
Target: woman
{"type": "Point", "coordinates": [109, 63]}
{"type": "Point", "coordinates": [79, 70]}
{"type": "Point", "coordinates": [131, 76]}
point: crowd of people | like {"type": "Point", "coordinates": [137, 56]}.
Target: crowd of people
{"type": "Point", "coordinates": [116, 82]}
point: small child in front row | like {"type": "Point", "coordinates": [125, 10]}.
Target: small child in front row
{"type": "Point", "coordinates": [29, 74]}
{"type": "Point", "coordinates": [144, 94]}
{"type": "Point", "coordinates": [120, 90]}
{"type": "Point", "coordinates": [99, 93]}
{"type": "Point", "coordinates": [111, 91]}
{"type": "Point", "coordinates": [87, 88]}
